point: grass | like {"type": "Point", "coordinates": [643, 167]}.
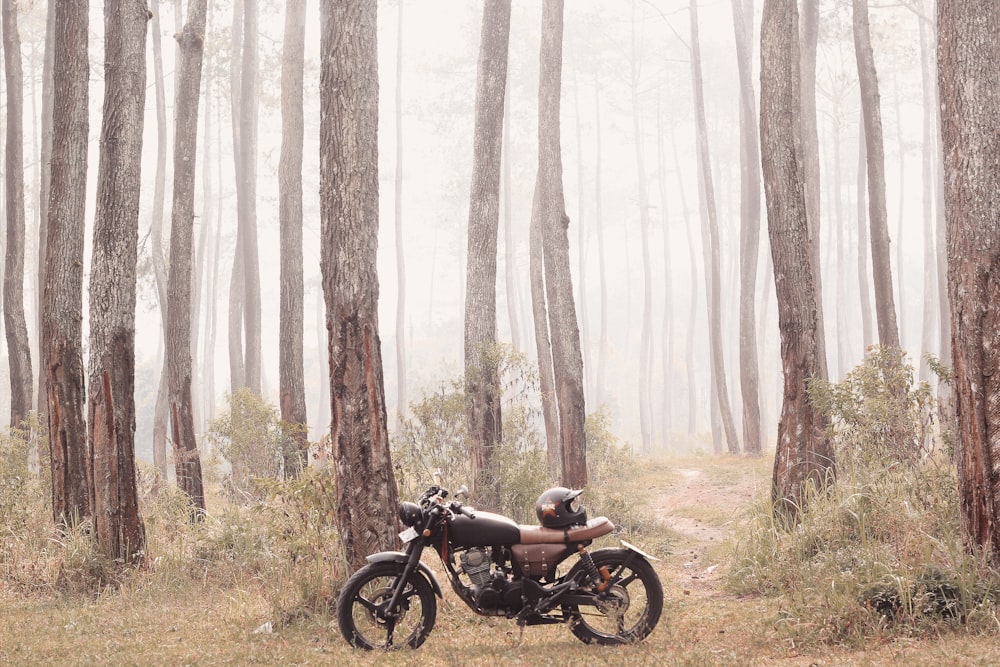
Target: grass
{"type": "Point", "coordinates": [214, 611]}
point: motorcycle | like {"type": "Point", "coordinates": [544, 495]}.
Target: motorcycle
{"type": "Point", "coordinates": [503, 569]}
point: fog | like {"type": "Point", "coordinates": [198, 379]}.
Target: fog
{"type": "Point", "coordinates": [601, 39]}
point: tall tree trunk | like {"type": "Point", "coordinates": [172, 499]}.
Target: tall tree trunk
{"type": "Point", "coordinates": [602, 354]}
{"type": "Point", "coordinates": [969, 83]}
{"type": "Point", "coordinates": [885, 310]}
{"type": "Point", "coordinates": [712, 252]}
{"type": "Point", "coordinates": [401, 402]}
{"type": "Point", "coordinates": [16, 328]}
{"type": "Point", "coordinates": [567, 361]}
{"type": "Point", "coordinates": [669, 330]}
{"type": "Point", "coordinates": [810, 149]}
{"type": "Point", "coordinates": [237, 360]}
{"type": "Point", "coordinates": [509, 266]}
{"type": "Point", "coordinates": [366, 488]}
{"type": "Point", "coordinates": [292, 388]}
{"type": "Point", "coordinates": [43, 203]}
{"type": "Point", "coordinates": [187, 462]}
{"type": "Point", "coordinates": [117, 524]}
{"type": "Point", "coordinates": [803, 454]}
{"type": "Point", "coordinates": [482, 382]}
{"type": "Point", "coordinates": [62, 311]}
{"type": "Point", "coordinates": [929, 139]}
{"type": "Point", "coordinates": [156, 239]}
{"type": "Point", "coordinates": [247, 195]}
{"type": "Point", "coordinates": [543, 345]}
{"type": "Point", "coordinates": [749, 227]}
{"type": "Point", "coordinates": [646, 336]}
{"type": "Point", "coordinates": [692, 394]}
{"type": "Point", "coordinates": [863, 246]}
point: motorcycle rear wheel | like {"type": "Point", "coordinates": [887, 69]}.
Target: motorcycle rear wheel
{"type": "Point", "coordinates": [365, 596]}
{"type": "Point", "coordinates": [628, 610]}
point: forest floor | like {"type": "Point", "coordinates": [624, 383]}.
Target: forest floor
{"type": "Point", "coordinates": [697, 501]}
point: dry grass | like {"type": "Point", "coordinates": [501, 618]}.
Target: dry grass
{"type": "Point", "coordinates": [194, 615]}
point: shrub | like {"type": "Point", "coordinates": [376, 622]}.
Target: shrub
{"type": "Point", "coordinates": [252, 439]}
{"type": "Point", "coordinates": [881, 551]}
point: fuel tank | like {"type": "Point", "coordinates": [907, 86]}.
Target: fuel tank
{"type": "Point", "coordinates": [486, 529]}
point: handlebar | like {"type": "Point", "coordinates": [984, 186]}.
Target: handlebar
{"type": "Point", "coordinates": [434, 497]}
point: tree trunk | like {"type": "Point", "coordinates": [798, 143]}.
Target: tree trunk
{"type": "Point", "coordinates": [646, 336]}
{"type": "Point", "coordinates": [602, 354]}
{"type": "Point", "coordinates": [156, 240]}
{"type": "Point", "coordinates": [885, 310]}
{"type": "Point", "coordinates": [810, 148]}
{"type": "Point", "coordinates": [19, 349]}
{"type": "Point", "coordinates": [117, 524]}
{"type": "Point", "coordinates": [567, 361]}
{"type": "Point", "coordinates": [366, 488]}
{"type": "Point", "coordinates": [543, 345]}
{"type": "Point", "coordinates": [803, 454]}
{"type": "Point", "coordinates": [712, 252]}
{"type": "Point", "coordinates": [246, 193]}
{"type": "Point", "coordinates": [187, 462]}
{"type": "Point", "coordinates": [669, 330]}
{"type": "Point", "coordinates": [929, 138]}
{"type": "Point", "coordinates": [749, 227]}
{"type": "Point", "coordinates": [863, 246]}
{"type": "Point", "coordinates": [969, 84]}
{"type": "Point", "coordinates": [401, 401]}
{"type": "Point", "coordinates": [237, 360]}
{"type": "Point", "coordinates": [292, 388]}
{"type": "Point", "coordinates": [482, 383]}
{"type": "Point", "coordinates": [509, 266]}
{"type": "Point", "coordinates": [692, 394]}
{"type": "Point", "coordinates": [43, 202]}
{"type": "Point", "coordinates": [62, 312]}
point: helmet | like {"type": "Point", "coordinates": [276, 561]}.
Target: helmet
{"type": "Point", "coordinates": [560, 507]}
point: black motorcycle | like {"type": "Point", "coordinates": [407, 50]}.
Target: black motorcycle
{"type": "Point", "coordinates": [500, 568]}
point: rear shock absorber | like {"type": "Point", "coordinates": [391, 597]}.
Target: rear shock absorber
{"type": "Point", "coordinates": [599, 577]}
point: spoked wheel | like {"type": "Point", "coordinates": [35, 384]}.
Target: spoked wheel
{"type": "Point", "coordinates": [365, 619]}
{"type": "Point", "coordinates": [630, 607]}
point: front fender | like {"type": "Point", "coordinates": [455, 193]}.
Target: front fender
{"type": "Point", "coordinates": [401, 558]}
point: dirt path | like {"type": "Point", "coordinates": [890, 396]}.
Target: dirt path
{"type": "Point", "coordinates": [702, 504]}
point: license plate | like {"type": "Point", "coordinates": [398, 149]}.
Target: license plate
{"type": "Point", "coordinates": [408, 535]}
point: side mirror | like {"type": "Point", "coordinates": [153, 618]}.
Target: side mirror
{"type": "Point", "coordinates": [463, 492]}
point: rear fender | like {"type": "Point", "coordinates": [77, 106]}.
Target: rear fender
{"type": "Point", "coordinates": [632, 547]}
{"type": "Point", "coordinates": [401, 558]}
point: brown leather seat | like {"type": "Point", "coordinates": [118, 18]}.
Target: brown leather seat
{"type": "Point", "coordinates": [595, 528]}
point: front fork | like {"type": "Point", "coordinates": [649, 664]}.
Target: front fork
{"type": "Point", "coordinates": [390, 612]}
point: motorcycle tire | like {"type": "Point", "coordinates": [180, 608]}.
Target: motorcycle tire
{"type": "Point", "coordinates": [628, 610]}
{"type": "Point", "coordinates": [370, 588]}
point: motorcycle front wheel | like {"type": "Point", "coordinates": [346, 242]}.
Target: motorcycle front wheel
{"type": "Point", "coordinates": [364, 617]}
{"type": "Point", "coordinates": [630, 607]}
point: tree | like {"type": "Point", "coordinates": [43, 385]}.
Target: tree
{"type": "Point", "coordinates": [366, 487]}
{"type": "Point", "coordinates": [969, 84]}
{"type": "Point", "coordinates": [885, 310]}
{"type": "Point", "coordinates": [156, 238]}
{"type": "Point", "coordinates": [713, 278]}
{"type": "Point", "coordinates": [549, 216]}
{"type": "Point", "coordinates": [749, 226]}
{"type": "Point", "coordinates": [187, 462]}
{"type": "Point", "coordinates": [810, 145]}
{"type": "Point", "coordinates": [118, 526]}
{"type": "Point", "coordinates": [62, 308]}
{"type": "Point", "coordinates": [19, 350]}
{"type": "Point", "coordinates": [45, 188]}
{"type": "Point", "coordinates": [291, 371]}
{"type": "Point", "coordinates": [803, 454]}
{"type": "Point", "coordinates": [401, 406]}
{"type": "Point", "coordinates": [246, 193]}
{"type": "Point", "coordinates": [482, 384]}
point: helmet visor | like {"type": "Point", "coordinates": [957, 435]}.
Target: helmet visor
{"type": "Point", "coordinates": [574, 504]}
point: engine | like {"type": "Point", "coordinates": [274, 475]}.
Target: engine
{"type": "Point", "coordinates": [487, 585]}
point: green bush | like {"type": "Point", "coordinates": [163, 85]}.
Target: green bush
{"type": "Point", "coordinates": [880, 552]}
{"type": "Point", "coordinates": [252, 439]}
